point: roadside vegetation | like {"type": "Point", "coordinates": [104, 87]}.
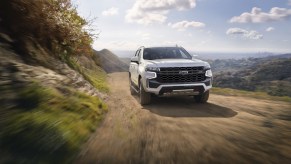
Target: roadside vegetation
{"type": "Point", "coordinates": [91, 71]}
{"type": "Point", "coordinates": [54, 24]}
{"type": "Point", "coordinates": [46, 125]}
{"type": "Point", "coordinates": [39, 123]}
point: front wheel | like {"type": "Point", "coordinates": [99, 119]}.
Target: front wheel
{"type": "Point", "coordinates": [132, 91]}
{"type": "Point", "coordinates": [144, 97]}
{"type": "Point", "coordinates": [203, 98]}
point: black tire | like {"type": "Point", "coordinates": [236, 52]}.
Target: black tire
{"type": "Point", "coordinates": [144, 97]}
{"type": "Point", "coordinates": [203, 98]}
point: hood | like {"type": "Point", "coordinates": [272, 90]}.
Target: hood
{"type": "Point", "coordinates": [176, 63]}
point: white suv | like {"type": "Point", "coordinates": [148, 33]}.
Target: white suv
{"type": "Point", "coordinates": [168, 71]}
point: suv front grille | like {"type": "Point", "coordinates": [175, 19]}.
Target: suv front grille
{"type": "Point", "coordinates": [179, 75]}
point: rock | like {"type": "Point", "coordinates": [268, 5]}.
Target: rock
{"type": "Point", "coordinates": [15, 71]}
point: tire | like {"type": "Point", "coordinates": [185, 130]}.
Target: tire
{"type": "Point", "coordinates": [144, 97]}
{"type": "Point", "coordinates": [132, 91]}
{"type": "Point", "coordinates": [203, 98]}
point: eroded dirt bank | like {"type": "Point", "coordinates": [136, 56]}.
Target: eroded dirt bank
{"type": "Point", "coordinates": [178, 130]}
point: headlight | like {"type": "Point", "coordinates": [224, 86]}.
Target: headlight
{"type": "Point", "coordinates": [152, 69]}
{"type": "Point", "coordinates": [208, 73]}
{"type": "Point", "coordinates": [150, 75]}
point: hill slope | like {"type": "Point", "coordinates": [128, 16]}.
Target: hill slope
{"type": "Point", "coordinates": [52, 89]}
{"type": "Point", "coordinates": [110, 62]}
{"type": "Point", "coordinates": [47, 109]}
{"type": "Point", "coordinates": [270, 74]}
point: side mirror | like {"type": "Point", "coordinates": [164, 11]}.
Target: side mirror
{"type": "Point", "coordinates": [134, 59]}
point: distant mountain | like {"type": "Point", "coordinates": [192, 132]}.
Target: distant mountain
{"type": "Point", "coordinates": [286, 56]}
{"type": "Point", "coordinates": [125, 60]}
{"type": "Point", "coordinates": [219, 65]}
{"type": "Point", "coordinates": [124, 54]}
{"type": "Point", "coordinates": [213, 55]}
{"type": "Point", "coordinates": [230, 55]}
{"type": "Point", "coordinates": [110, 62]}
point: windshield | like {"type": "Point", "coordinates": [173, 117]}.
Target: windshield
{"type": "Point", "coordinates": [166, 53]}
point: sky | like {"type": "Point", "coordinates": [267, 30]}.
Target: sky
{"type": "Point", "coordinates": [197, 25]}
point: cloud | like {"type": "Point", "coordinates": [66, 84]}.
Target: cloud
{"type": "Point", "coordinates": [269, 29]}
{"type": "Point", "coordinates": [155, 11]}
{"type": "Point", "coordinates": [244, 33]}
{"type": "Point", "coordinates": [145, 18]}
{"type": "Point", "coordinates": [289, 2]}
{"type": "Point", "coordinates": [258, 16]}
{"type": "Point", "coordinates": [110, 12]}
{"type": "Point", "coordinates": [233, 31]}
{"type": "Point", "coordinates": [183, 25]}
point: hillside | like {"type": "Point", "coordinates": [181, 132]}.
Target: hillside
{"type": "Point", "coordinates": [110, 62]}
{"type": "Point", "coordinates": [220, 65]}
{"type": "Point", "coordinates": [52, 89]}
{"type": "Point", "coordinates": [270, 74]}
{"type": "Point", "coordinates": [126, 61]}
{"type": "Point", "coordinates": [46, 110]}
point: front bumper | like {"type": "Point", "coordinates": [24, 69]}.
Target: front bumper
{"type": "Point", "coordinates": [196, 88]}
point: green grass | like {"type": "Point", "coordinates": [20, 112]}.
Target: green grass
{"type": "Point", "coordinates": [96, 76]}
{"type": "Point", "coordinates": [48, 126]}
{"type": "Point", "coordinates": [256, 94]}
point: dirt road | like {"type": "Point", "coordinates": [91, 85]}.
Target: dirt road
{"type": "Point", "coordinates": [178, 130]}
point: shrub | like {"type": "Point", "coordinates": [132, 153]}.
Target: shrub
{"type": "Point", "coordinates": [55, 24]}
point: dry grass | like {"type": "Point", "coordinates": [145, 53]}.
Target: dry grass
{"type": "Point", "coordinates": [257, 95]}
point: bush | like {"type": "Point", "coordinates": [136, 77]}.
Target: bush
{"type": "Point", "coordinates": [55, 24]}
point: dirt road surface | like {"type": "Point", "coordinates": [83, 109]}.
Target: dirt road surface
{"type": "Point", "coordinates": [178, 130]}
